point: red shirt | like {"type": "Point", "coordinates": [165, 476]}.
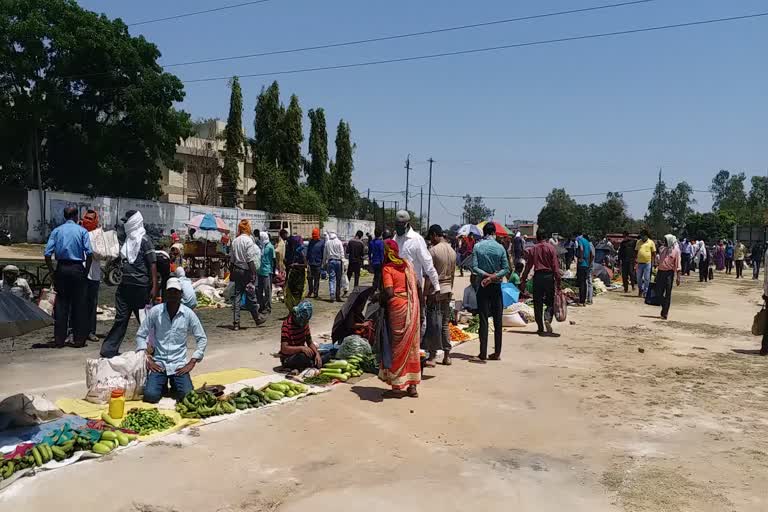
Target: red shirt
{"type": "Point", "coordinates": [542, 257]}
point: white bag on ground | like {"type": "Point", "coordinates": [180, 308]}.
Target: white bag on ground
{"type": "Point", "coordinates": [128, 371]}
{"type": "Point", "coordinates": [23, 410]}
{"type": "Point", "coordinates": [104, 244]}
{"type": "Point", "coordinates": [512, 320]}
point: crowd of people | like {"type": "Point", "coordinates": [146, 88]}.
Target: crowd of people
{"type": "Point", "coordinates": [413, 280]}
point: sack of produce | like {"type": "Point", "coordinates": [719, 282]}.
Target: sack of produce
{"type": "Point", "coordinates": [23, 410]}
{"type": "Point", "coordinates": [353, 345]}
{"type": "Point", "coordinates": [128, 371]}
{"type": "Point", "coordinates": [512, 320]}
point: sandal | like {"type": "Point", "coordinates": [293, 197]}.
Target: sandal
{"type": "Point", "coordinates": [412, 392]}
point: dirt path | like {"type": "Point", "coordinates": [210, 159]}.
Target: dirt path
{"type": "Point", "coordinates": [586, 422]}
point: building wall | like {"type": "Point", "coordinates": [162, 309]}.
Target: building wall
{"type": "Point", "coordinates": [13, 213]}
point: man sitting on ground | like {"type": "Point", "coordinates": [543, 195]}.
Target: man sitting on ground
{"type": "Point", "coordinates": [297, 350]}
{"type": "Point", "coordinates": [171, 322]}
{"type": "Point", "coordinates": [14, 284]}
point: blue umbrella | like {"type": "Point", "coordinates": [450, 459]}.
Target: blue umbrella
{"type": "Point", "coordinates": [510, 294]}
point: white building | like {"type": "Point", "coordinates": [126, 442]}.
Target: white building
{"type": "Point", "coordinates": [199, 182]}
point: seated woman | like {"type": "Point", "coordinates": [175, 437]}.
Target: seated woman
{"type": "Point", "coordinates": [297, 350]}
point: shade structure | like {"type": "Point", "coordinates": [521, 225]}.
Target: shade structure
{"type": "Point", "coordinates": [500, 229]}
{"type": "Point", "coordinates": [208, 222]}
{"type": "Point", "coordinates": [469, 229]}
{"type": "Point", "coordinates": [19, 316]}
{"type": "Point", "coordinates": [355, 302]}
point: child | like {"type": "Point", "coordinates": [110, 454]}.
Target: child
{"type": "Point", "coordinates": [514, 277]}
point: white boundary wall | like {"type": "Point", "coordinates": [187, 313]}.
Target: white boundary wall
{"type": "Point", "coordinates": [159, 217]}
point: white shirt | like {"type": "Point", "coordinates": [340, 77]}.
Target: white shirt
{"type": "Point", "coordinates": [94, 274]}
{"type": "Point", "coordinates": [20, 288]}
{"type": "Point", "coordinates": [414, 249]}
{"type": "Point", "coordinates": [244, 251]}
{"type": "Point", "coordinates": [700, 250]}
{"type": "Point", "coordinates": [334, 249]}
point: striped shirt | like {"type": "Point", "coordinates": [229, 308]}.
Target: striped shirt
{"type": "Point", "coordinates": [294, 334]}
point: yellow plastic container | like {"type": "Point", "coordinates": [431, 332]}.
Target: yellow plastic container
{"type": "Point", "coordinates": [117, 404]}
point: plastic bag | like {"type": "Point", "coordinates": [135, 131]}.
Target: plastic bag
{"type": "Point", "coordinates": [758, 323]}
{"type": "Point", "coordinates": [128, 372]}
{"type": "Point", "coordinates": [47, 300]}
{"type": "Point", "coordinates": [23, 410]}
{"type": "Point", "coordinates": [561, 306]}
{"type": "Point", "coordinates": [353, 345]}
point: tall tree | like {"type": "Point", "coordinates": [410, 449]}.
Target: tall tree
{"type": "Point", "coordinates": [268, 125]}
{"type": "Point", "coordinates": [342, 193]}
{"type": "Point", "coordinates": [609, 216]}
{"type": "Point", "coordinates": [561, 214]}
{"type": "Point", "coordinates": [658, 206]}
{"type": "Point", "coordinates": [475, 210]}
{"type": "Point", "coordinates": [234, 152]}
{"type": "Point", "coordinates": [291, 138]}
{"type": "Point", "coordinates": [317, 176]}
{"type": "Point", "coordinates": [757, 201]}
{"type": "Point", "coordinates": [679, 201]}
{"type": "Point", "coordinates": [728, 195]}
{"type": "Point", "coordinates": [80, 93]}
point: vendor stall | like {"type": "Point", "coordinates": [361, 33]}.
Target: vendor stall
{"type": "Point", "coordinates": [205, 254]}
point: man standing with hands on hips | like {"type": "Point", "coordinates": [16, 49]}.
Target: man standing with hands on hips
{"type": "Point", "coordinates": [490, 265]}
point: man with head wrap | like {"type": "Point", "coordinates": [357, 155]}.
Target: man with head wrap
{"type": "Point", "coordinates": [266, 270]}
{"type": "Point", "coordinates": [297, 350]}
{"type": "Point", "coordinates": [139, 283]}
{"type": "Point", "coordinates": [668, 272]}
{"type": "Point", "coordinates": [90, 222]}
{"type": "Point", "coordinates": [245, 259]}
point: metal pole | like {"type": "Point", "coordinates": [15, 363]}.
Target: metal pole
{"type": "Point", "coordinates": [407, 178]}
{"type": "Point", "coordinates": [421, 206]}
{"type": "Point", "coordinates": [429, 192]}
{"type": "Point", "coordinates": [44, 221]}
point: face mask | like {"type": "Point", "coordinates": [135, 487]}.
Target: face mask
{"type": "Point", "coordinates": [400, 230]}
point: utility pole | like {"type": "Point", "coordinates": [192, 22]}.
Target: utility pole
{"type": "Point", "coordinates": [421, 206]}
{"type": "Point", "coordinates": [407, 178]}
{"type": "Point", "coordinates": [429, 192]}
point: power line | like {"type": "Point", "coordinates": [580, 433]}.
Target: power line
{"type": "Point", "coordinates": [195, 13]}
{"type": "Point", "coordinates": [440, 201]}
{"type": "Point", "coordinates": [483, 50]}
{"type": "Point", "coordinates": [407, 35]}
{"type": "Point", "coordinates": [461, 196]}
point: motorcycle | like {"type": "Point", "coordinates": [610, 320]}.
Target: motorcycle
{"type": "Point", "coordinates": [5, 237]}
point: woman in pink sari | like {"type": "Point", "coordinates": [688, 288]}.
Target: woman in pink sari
{"type": "Point", "coordinates": [403, 314]}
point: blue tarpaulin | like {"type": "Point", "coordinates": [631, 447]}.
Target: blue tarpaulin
{"type": "Point", "coordinates": [510, 294]}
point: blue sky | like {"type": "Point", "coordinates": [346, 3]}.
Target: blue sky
{"type": "Point", "coordinates": [590, 116]}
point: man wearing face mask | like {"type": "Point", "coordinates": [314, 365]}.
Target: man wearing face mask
{"type": "Point", "coordinates": [414, 249]}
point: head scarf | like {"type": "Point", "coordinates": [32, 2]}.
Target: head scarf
{"type": "Point", "coordinates": [671, 240]}
{"type": "Point", "coordinates": [244, 227]}
{"type": "Point", "coordinates": [264, 237]}
{"type": "Point", "coordinates": [90, 220]}
{"type": "Point", "coordinates": [180, 273]}
{"type": "Point", "coordinates": [518, 235]}
{"type": "Point", "coordinates": [134, 233]}
{"type": "Point", "coordinates": [316, 234]}
{"type": "Point", "coordinates": [392, 255]}
{"type": "Point", "coordinates": [302, 313]}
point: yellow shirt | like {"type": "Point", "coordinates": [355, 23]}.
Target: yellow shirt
{"type": "Point", "coordinates": [645, 250]}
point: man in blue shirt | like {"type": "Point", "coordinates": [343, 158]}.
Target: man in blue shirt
{"type": "Point", "coordinates": [376, 257]}
{"type": "Point", "coordinates": [489, 266]}
{"type": "Point", "coordinates": [171, 323]}
{"type": "Point", "coordinates": [315, 261]}
{"type": "Point", "coordinates": [586, 258]}
{"type": "Point", "coordinates": [71, 246]}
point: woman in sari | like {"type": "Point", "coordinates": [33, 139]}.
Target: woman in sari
{"type": "Point", "coordinates": [402, 303]}
{"type": "Point", "coordinates": [296, 259]}
{"type": "Point", "coordinates": [720, 256]}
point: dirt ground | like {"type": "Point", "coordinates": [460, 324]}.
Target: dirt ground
{"type": "Point", "coordinates": [624, 412]}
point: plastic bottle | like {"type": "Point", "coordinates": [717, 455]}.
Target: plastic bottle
{"type": "Point", "coordinates": [117, 404]}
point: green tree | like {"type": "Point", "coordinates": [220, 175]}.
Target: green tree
{"type": "Point", "coordinates": [79, 91]}
{"type": "Point", "coordinates": [342, 193]}
{"type": "Point", "coordinates": [273, 189]}
{"type": "Point", "coordinates": [710, 225]}
{"type": "Point", "coordinates": [268, 125]}
{"type": "Point", "coordinates": [475, 210]}
{"type": "Point", "coordinates": [561, 214]}
{"type": "Point", "coordinates": [728, 195]}
{"type": "Point", "coordinates": [757, 201]}
{"type": "Point", "coordinates": [658, 207]}
{"type": "Point", "coordinates": [234, 151]}
{"type": "Point", "coordinates": [608, 217]}
{"type": "Point", "coordinates": [678, 207]}
{"type": "Point", "coordinates": [308, 201]}
{"type": "Point", "coordinates": [290, 144]}
{"type": "Point", "coordinates": [317, 176]}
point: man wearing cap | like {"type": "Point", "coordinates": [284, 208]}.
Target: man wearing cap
{"type": "Point", "coordinates": [171, 322]}
{"type": "Point", "coordinates": [15, 285]}
{"type": "Point", "coordinates": [71, 246]}
{"type": "Point", "coordinates": [139, 283]}
{"type": "Point", "coordinates": [444, 259]}
{"type": "Point", "coordinates": [414, 249]}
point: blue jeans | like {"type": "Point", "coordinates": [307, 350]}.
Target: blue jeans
{"type": "Point", "coordinates": [643, 277]}
{"type": "Point", "coordinates": [335, 270]}
{"type": "Point", "coordinates": [157, 384]}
